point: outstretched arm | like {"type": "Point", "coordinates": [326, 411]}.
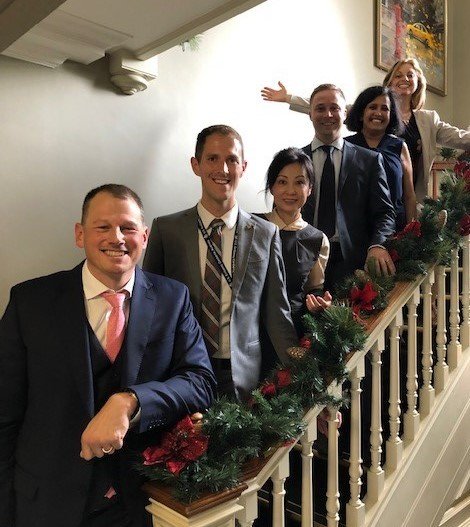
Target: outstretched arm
{"type": "Point", "coordinates": [273, 95]}
{"type": "Point", "coordinates": [296, 103]}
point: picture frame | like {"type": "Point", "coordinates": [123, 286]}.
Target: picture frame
{"type": "Point", "coordinates": [416, 29]}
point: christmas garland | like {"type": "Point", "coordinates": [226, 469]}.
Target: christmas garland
{"type": "Point", "coordinates": [193, 464]}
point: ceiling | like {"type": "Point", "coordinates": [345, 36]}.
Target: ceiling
{"type": "Point", "coordinates": [48, 32]}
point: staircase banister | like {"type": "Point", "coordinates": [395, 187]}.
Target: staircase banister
{"type": "Point", "coordinates": [257, 472]}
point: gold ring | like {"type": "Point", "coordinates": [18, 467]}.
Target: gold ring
{"type": "Point", "coordinates": [107, 450]}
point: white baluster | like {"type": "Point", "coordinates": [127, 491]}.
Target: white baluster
{"type": "Point", "coordinates": [376, 475]}
{"type": "Point", "coordinates": [222, 515]}
{"type": "Point", "coordinates": [426, 393]}
{"type": "Point", "coordinates": [278, 478]}
{"type": "Point", "coordinates": [465, 326]}
{"type": "Point", "coordinates": [454, 349]}
{"type": "Point", "coordinates": [441, 369]}
{"type": "Point", "coordinates": [394, 446]}
{"type": "Point", "coordinates": [411, 419]}
{"type": "Point", "coordinates": [355, 508]}
{"type": "Point", "coordinates": [332, 491]}
{"type": "Point", "coordinates": [249, 501]}
{"type": "Point", "coordinates": [307, 439]}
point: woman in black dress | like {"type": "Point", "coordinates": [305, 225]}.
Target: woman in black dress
{"type": "Point", "coordinates": [305, 249]}
{"type": "Point", "coordinates": [375, 118]}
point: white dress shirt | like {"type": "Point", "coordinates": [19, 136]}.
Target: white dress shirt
{"type": "Point", "coordinates": [228, 235]}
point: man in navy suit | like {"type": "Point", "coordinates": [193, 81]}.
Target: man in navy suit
{"type": "Point", "coordinates": [362, 212]}
{"type": "Point", "coordinates": [73, 419]}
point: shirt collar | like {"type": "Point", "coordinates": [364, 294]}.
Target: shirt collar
{"type": "Point", "coordinates": [93, 288]}
{"type": "Point", "coordinates": [296, 225]}
{"type": "Point", "coordinates": [338, 144]}
{"type": "Point", "coordinates": [229, 218]}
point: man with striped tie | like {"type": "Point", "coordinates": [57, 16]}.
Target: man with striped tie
{"type": "Point", "coordinates": [231, 262]}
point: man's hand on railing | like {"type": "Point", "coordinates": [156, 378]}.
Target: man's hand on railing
{"type": "Point", "coordinates": [381, 261]}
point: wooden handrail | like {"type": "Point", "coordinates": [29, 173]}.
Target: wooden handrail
{"type": "Point", "coordinates": [264, 467]}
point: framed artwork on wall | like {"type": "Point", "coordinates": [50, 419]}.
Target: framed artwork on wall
{"type": "Point", "coordinates": [417, 29]}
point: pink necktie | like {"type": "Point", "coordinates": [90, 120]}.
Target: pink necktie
{"type": "Point", "coordinates": [116, 324]}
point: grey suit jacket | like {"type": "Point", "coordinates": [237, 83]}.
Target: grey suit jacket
{"type": "Point", "coordinates": [259, 298]}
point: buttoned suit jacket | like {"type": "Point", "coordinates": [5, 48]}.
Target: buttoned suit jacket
{"type": "Point", "coordinates": [259, 299]}
{"type": "Point", "coordinates": [47, 391]}
{"type": "Point", "coordinates": [364, 211]}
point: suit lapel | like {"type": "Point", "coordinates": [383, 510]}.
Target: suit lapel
{"type": "Point", "coordinates": [141, 316]}
{"type": "Point", "coordinates": [346, 159]}
{"type": "Point", "coordinates": [72, 327]}
{"type": "Point", "coordinates": [190, 228]}
{"type": "Point", "coordinates": [246, 231]}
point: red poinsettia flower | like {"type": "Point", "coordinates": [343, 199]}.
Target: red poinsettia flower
{"type": "Point", "coordinates": [464, 225]}
{"type": "Point", "coordinates": [462, 170]}
{"type": "Point", "coordinates": [305, 342]}
{"type": "Point", "coordinates": [178, 447]}
{"type": "Point", "coordinates": [268, 389]}
{"type": "Point", "coordinates": [413, 229]}
{"type": "Point", "coordinates": [361, 299]}
{"type": "Point", "coordinates": [283, 378]}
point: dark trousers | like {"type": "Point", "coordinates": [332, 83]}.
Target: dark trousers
{"type": "Point", "coordinates": [113, 516]}
{"type": "Point", "coordinates": [116, 515]}
{"type": "Point", "coordinates": [223, 375]}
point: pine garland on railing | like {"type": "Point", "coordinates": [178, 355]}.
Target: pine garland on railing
{"type": "Point", "coordinates": [193, 463]}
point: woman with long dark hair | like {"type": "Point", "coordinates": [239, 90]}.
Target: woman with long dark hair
{"type": "Point", "coordinates": [375, 118]}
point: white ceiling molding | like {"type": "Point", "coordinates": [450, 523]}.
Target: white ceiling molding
{"type": "Point", "coordinates": [218, 15]}
{"type": "Point", "coordinates": [62, 36]}
{"type": "Point", "coordinates": [17, 17]}
{"type": "Point", "coordinates": [133, 33]}
{"type": "Point", "coordinates": [129, 74]}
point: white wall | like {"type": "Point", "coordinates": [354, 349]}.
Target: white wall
{"type": "Point", "coordinates": [66, 131]}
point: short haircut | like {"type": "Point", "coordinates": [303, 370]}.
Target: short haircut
{"type": "Point", "coordinates": [324, 87]}
{"type": "Point", "coordinates": [419, 96]}
{"type": "Point", "coordinates": [117, 191]}
{"type": "Point", "coordinates": [221, 129]}
{"type": "Point", "coordinates": [285, 157]}
{"type": "Point", "coordinates": [354, 120]}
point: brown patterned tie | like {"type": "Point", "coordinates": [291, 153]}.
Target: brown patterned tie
{"type": "Point", "coordinates": [210, 313]}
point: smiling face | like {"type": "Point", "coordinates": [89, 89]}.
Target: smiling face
{"type": "Point", "coordinates": [220, 168]}
{"type": "Point", "coordinates": [113, 236]}
{"type": "Point", "coordinates": [291, 190]}
{"type": "Point", "coordinates": [376, 116]}
{"type": "Point", "coordinates": [327, 113]}
{"type": "Point", "coordinates": [404, 80]}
